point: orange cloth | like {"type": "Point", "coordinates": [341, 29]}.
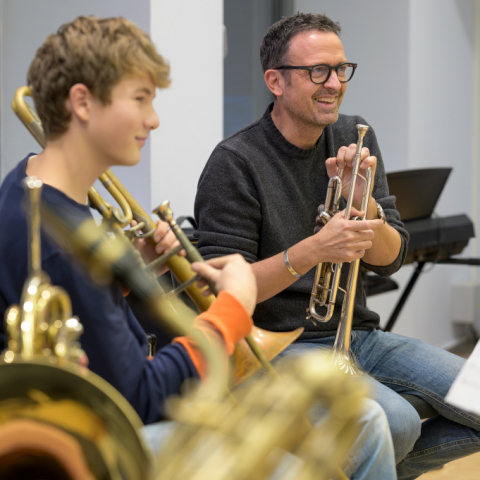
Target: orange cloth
{"type": "Point", "coordinates": [226, 318]}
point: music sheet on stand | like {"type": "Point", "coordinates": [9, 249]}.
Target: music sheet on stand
{"type": "Point", "coordinates": [465, 390]}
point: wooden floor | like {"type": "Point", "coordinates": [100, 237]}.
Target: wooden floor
{"type": "Point", "coordinates": [467, 468]}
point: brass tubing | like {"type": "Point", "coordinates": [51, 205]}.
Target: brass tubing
{"type": "Point", "coordinates": [341, 347]}
{"type": "Point", "coordinates": [177, 264]}
{"type": "Point", "coordinates": [33, 188]}
{"type": "Point", "coordinates": [324, 292]}
{"type": "Point", "coordinates": [165, 213]}
{"type": "Point", "coordinates": [163, 258]}
{"type": "Point", "coordinates": [182, 287]}
{"type": "Point", "coordinates": [119, 198]}
{"type": "Point", "coordinates": [260, 355]}
{"type": "Point", "coordinates": [27, 115]}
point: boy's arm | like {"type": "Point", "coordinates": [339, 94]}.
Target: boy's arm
{"type": "Point", "coordinates": [229, 317]}
{"type": "Point", "coordinates": [226, 320]}
{"type": "Point", "coordinates": [117, 347]}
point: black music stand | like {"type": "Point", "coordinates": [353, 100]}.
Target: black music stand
{"type": "Point", "coordinates": [417, 191]}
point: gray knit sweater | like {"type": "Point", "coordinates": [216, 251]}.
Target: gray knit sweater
{"type": "Point", "coordinates": [258, 195]}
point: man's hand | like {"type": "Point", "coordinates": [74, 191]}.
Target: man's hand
{"type": "Point", "coordinates": [342, 240]}
{"type": "Point", "coordinates": [344, 159]}
{"type": "Point", "coordinates": [231, 274]}
{"type": "Point", "coordinates": [165, 240]}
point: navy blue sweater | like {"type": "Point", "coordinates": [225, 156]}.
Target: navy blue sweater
{"type": "Point", "coordinates": [113, 340]}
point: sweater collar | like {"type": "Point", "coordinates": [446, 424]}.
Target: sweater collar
{"type": "Point", "coordinates": [282, 143]}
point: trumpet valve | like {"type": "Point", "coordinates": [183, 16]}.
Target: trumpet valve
{"type": "Point", "coordinates": [324, 217]}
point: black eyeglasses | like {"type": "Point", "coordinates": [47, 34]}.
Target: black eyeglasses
{"type": "Point", "coordinates": [321, 73]}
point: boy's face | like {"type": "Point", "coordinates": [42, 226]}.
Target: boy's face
{"type": "Point", "coordinates": [119, 130]}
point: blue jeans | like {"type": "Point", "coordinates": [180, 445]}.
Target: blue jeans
{"type": "Point", "coordinates": [397, 364]}
{"type": "Point", "coordinates": [371, 457]}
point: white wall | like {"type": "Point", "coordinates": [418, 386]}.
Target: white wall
{"type": "Point", "coordinates": [189, 34]}
{"type": "Point", "coordinates": [24, 25]}
{"type": "Point", "coordinates": [375, 35]}
{"type": "Point", "coordinates": [415, 85]}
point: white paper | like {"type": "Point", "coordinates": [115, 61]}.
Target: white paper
{"type": "Point", "coordinates": [465, 390]}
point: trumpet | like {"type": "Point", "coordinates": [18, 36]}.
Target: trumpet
{"type": "Point", "coordinates": [327, 275]}
{"type": "Point", "coordinates": [250, 354]}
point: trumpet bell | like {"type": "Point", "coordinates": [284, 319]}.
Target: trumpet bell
{"type": "Point", "coordinates": [67, 422]}
{"type": "Point", "coordinates": [345, 361]}
{"type": "Point", "coordinates": [245, 363]}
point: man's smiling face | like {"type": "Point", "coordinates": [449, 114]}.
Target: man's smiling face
{"type": "Point", "coordinates": [305, 101]}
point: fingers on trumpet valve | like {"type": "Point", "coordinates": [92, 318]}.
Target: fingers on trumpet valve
{"type": "Point", "coordinates": [322, 219]}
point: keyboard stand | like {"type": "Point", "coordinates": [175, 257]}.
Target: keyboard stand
{"type": "Point", "coordinates": [413, 279]}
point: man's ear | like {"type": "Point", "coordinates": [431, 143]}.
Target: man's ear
{"type": "Point", "coordinates": [275, 82]}
{"type": "Point", "coordinates": [80, 101]}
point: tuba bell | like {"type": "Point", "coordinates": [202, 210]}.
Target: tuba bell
{"type": "Point", "coordinates": [57, 419]}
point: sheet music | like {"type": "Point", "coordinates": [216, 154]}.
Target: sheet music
{"type": "Point", "coordinates": [465, 390]}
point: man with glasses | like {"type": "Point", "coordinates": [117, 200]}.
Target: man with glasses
{"type": "Point", "coordinates": [271, 176]}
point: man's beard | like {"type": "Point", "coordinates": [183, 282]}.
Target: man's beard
{"type": "Point", "coordinates": [313, 119]}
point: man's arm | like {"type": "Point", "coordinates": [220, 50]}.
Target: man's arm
{"type": "Point", "coordinates": [385, 245]}
{"type": "Point", "coordinates": [338, 242]}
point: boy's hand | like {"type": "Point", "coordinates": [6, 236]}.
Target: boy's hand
{"type": "Point", "coordinates": [165, 240]}
{"type": "Point", "coordinates": [231, 274]}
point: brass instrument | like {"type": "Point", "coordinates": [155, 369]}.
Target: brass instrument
{"type": "Point", "coordinates": [58, 419]}
{"type": "Point", "coordinates": [264, 345]}
{"type": "Point", "coordinates": [327, 275]}
{"type": "Point", "coordinates": [248, 441]}
{"type": "Point", "coordinates": [215, 439]}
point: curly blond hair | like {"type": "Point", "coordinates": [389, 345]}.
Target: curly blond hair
{"type": "Point", "coordinates": [95, 52]}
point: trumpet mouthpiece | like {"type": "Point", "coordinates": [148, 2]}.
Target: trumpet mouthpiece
{"type": "Point", "coordinates": [362, 130]}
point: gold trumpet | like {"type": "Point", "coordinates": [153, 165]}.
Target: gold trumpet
{"type": "Point", "coordinates": [327, 275]}
{"type": "Point", "coordinates": [58, 419]}
{"type": "Point", "coordinates": [250, 354]}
